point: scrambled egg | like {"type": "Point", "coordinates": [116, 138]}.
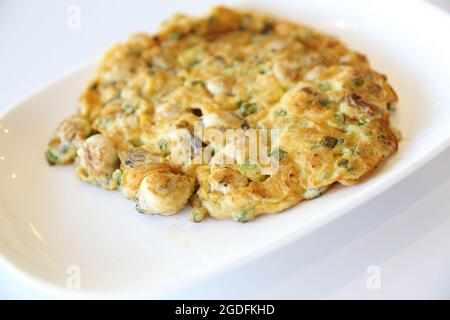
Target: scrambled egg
{"type": "Point", "coordinates": [236, 70]}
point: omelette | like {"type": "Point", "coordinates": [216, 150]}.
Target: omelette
{"type": "Point", "coordinates": [228, 70]}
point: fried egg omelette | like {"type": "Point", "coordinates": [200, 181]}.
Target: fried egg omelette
{"type": "Point", "coordinates": [228, 70]}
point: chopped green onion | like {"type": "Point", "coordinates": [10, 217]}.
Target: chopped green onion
{"type": "Point", "coordinates": [282, 154]}
{"type": "Point", "coordinates": [282, 113]}
{"type": "Point", "coordinates": [343, 163]}
{"type": "Point", "coordinates": [197, 83]}
{"type": "Point", "coordinates": [243, 216]}
{"type": "Point", "coordinates": [374, 89]}
{"type": "Point", "coordinates": [248, 108]}
{"type": "Point", "coordinates": [324, 102]}
{"type": "Point", "coordinates": [162, 144]}
{"type": "Point", "coordinates": [175, 35]}
{"type": "Point", "coordinates": [117, 175]}
{"type": "Point", "coordinates": [52, 159]}
{"type": "Point", "coordinates": [198, 215]}
{"type": "Point", "coordinates": [390, 107]}
{"type": "Point", "coordinates": [129, 141]}
{"type": "Point", "coordinates": [326, 176]}
{"type": "Point", "coordinates": [362, 122]}
{"type": "Point", "coordinates": [340, 117]}
{"type": "Point", "coordinates": [312, 193]}
{"type": "Point", "coordinates": [193, 64]}
{"type": "Point", "coordinates": [358, 81]}
{"type": "Point", "coordinates": [129, 109]}
{"type": "Point", "coordinates": [324, 85]}
{"type": "Point", "coordinates": [212, 21]}
{"type": "Point", "coordinates": [104, 122]}
{"type": "Point", "coordinates": [261, 70]}
{"type": "Point", "coordinates": [134, 52]}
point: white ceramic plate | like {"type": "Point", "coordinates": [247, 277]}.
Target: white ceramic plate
{"type": "Point", "coordinates": [49, 222]}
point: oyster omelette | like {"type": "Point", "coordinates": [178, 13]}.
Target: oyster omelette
{"type": "Point", "coordinates": [227, 70]}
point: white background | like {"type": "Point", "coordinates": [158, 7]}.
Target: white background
{"type": "Point", "coordinates": [404, 231]}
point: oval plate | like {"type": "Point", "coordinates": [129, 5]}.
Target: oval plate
{"type": "Point", "coordinates": [54, 228]}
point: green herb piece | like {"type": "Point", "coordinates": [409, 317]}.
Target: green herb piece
{"type": "Point", "coordinates": [362, 122]}
{"type": "Point", "coordinates": [212, 21]}
{"type": "Point", "coordinates": [261, 70]}
{"type": "Point", "coordinates": [105, 122]}
{"type": "Point", "coordinates": [340, 117]}
{"type": "Point", "coordinates": [326, 176]}
{"type": "Point", "coordinates": [312, 193]}
{"type": "Point", "coordinates": [324, 102]}
{"type": "Point", "coordinates": [130, 109]}
{"type": "Point", "coordinates": [324, 85]}
{"type": "Point", "coordinates": [52, 159]}
{"type": "Point", "coordinates": [151, 71]}
{"type": "Point", "coordinates": [162, 144]}
{"type": "Point", "coordinates": [175, 36]}
{"type": "Point", "coordinates": [243, 216]}
{"type": "Point", "coordinates": [358, 81]}
{"type": "Point", "coordinates": [390, 107]}
{"type": "Point", "coordinates": [354, 151]}
{"type": "Point", "coordinates": [197, 83]}
{"type": "Point", "coordinates": [198, 215]}
{"type": "Point", "coordinates": [305, 38]}
{"type": "Point", "coordinates": [281, 153]}
{"type": "Point", "coordinates": [193, 64]}
{"type": "Point", "coordinates": [134, 52]}
{"type": "Point", "coordinates": [375, 89]}
{"type": "Point", "coordinates": [132, 143]}
{"type": "Point", "coordinates": [282, 113]}
{"type": "Point", "coordinates": [247, 166]}
{"type": "Point", "coordinates": [343, 163]}
{"type": "Point", "coordinates": [247, 109]}
{"type": "Point", "coordinates": [117, 175]}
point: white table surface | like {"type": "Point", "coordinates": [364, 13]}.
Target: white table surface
{"type": "Point", "coordinates": [405, 231]}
